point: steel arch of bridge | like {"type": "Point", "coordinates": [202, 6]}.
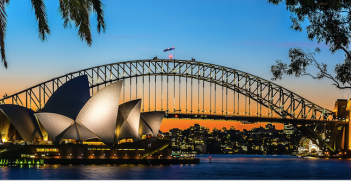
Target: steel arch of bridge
{"type": "Point", "coordinates": [285, 103]}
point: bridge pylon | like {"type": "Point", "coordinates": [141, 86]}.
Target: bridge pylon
{"type": "Point", "coordinates": [342, 133]}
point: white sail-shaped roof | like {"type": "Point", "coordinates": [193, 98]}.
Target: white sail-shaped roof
{"type": "Point", "coordinates": [76, 132]}
{"type": "Point", "coordinates": [70, 98]}
{"type": "Point", "coordinates": [4, 126]}
{"type": "Point", "coordinates": [85, 133]}
{"type": "Point", "coordinates": [150, 122]}
{"type": "Point", "coordinates": [144, 129]}
{"type": "Point", "coordinates": [54, 124]}
{"type": "Point", "coordinates": [71, 133]}
{"type": "Point", "coordinates": [23, 120]}
{"type": "Point", "coordinates": [128, 120]}
{"type": "Point", "coordinates": [99, 114]}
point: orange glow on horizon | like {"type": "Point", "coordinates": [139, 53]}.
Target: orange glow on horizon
{"type": "Point", "coordinates": [168, 124]}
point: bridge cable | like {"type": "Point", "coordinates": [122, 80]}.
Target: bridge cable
{"type": "Point", "coordinates": [174, 92]}
{"type": "Point", "coordinates": [203, 96]}
{"type": "Point", "coordinates": [143, 89]}
{"type": "Point", "coordinates": [211, 92]}
{"type": "Point", "coordinates": [162, 90]}
{"type": "Point", "coordinates": [167, 94]}
{"type": "Point", "coordinates": [222, 89]}
{"type": "Point", "coordinates": [180, 110]}
{"type": "Point", "coordinates": [186, 89]}
{"type": "Point", "coordinates": [238, 97]}
{"type": "Point", "coordinates": [136, 81]}
{"type": "Point", "coordinates": [130, 83]}
{"type": "Point", "coordinates": [215, 101]}
{"type": "Point", "coordinates": [155, 86]}
{"type": "Point", "coordinates": [149, 88]}
{"type": "Point", "coordinates": [124, 84]}
{"type": "Point", "coordinates": [234, 95]}
{"type": "Point", "coordinates": [226, 96]}
{"type": "Point", "coordinates": [198, 93]}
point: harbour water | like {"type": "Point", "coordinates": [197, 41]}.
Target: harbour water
{"type": "Point", "coordinates": [233, 167]}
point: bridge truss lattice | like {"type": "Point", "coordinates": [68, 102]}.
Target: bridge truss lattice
{"type": "Point", "coordinates": [187, 87]}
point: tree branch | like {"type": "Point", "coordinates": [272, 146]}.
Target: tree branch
{"type": "Point", "coordinates": [348, 53]}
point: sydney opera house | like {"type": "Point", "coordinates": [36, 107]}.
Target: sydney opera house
{"type": "Point", "coordinates": [74, 125]}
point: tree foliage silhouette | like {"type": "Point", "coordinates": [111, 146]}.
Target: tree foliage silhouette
{"type": "Point", "coordinates": [329, 23]}
{"type": "Point", "coordinates": [76, 12]}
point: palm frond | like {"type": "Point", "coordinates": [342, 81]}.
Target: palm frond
{"type": "Point", "coordinates": [63, 9]}
{"type": "Point", "coordinates": [3, 26]}
{"type": "Point", "coordinates": [98, 8]}
{"type": "Point", "coordinates": [77, 11]}
{"type": "Point", "coordinates": [84, 22]}
{"type": "Point", "coordinates": [41, 16]}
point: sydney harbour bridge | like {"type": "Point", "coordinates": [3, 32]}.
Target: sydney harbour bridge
{"type": "Point", "coordinates": [188, 89]}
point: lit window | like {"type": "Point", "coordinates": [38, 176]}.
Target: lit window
{"type": "Point", "coordinates": [47, 150]}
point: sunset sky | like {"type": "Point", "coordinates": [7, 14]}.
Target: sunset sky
{"type": "Point", "coordinates": [245, 35]}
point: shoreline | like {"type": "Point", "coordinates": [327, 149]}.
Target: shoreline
{"type": "Point", "coordinates": [20, 162]}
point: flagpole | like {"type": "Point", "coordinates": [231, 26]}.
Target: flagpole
{"type": "Point", "coordinates": [174, 53]}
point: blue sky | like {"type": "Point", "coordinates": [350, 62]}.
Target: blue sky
{"type": "Point", "coordinates": [248, 35]}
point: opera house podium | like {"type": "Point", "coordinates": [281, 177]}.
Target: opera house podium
{"type": "Point", "coordinates": [76, 128]}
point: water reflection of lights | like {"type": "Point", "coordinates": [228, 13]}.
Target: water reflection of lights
{"type": "Point", "coordinates": [312, 157]}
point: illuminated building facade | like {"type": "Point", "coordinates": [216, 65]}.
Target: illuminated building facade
{"type": "Point", "coordinates": [18, 123]}
{"type": "Point", "coordinates": [70, 114]}
{"type": "Point", "coordinates": [73, 125]}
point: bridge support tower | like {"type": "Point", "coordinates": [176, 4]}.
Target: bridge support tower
{"type": "Point", "coordinates": [342, 133]}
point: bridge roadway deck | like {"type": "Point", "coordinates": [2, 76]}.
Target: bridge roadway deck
{"type": "Point", "coordinates": [252, 119]}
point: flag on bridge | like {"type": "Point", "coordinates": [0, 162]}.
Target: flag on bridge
{"type": "Point", "coordinates": [169, 49]}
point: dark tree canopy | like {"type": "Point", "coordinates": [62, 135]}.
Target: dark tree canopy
{"type": "Point", "coordinates": [329, 23]}
{"type": "Point", "coordinates": [72, 11]}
